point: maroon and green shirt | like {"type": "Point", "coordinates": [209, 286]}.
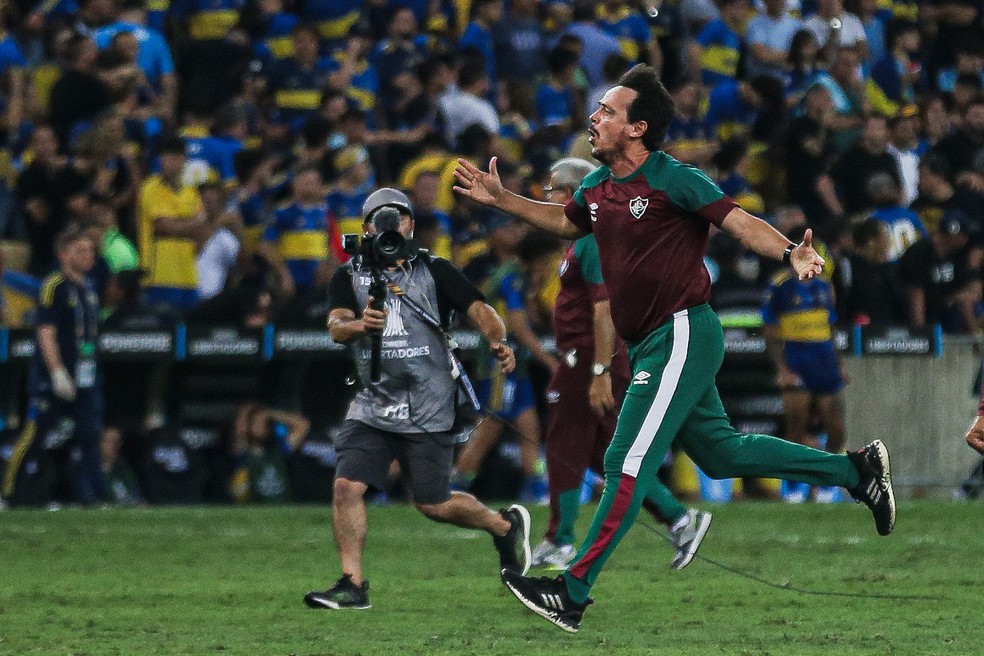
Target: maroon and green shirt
{"type": "Point", "coordinates": [651, 227]}
{"type": "Point", "coordinates": [581, 286]}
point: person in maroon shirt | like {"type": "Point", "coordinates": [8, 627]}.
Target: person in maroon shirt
{"type": "Point", "coordinates": [584, 395]}
{"type": "Point", "coordinates": [651, 216]}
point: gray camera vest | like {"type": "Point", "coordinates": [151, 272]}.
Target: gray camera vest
{"type": "Point", "coordinates": [416, 392]}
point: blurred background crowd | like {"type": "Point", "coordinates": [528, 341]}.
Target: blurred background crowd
{"type": "Point", "coordinates": [256, 129]}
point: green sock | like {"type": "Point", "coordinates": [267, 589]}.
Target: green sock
{"type": "Point", "coordinates": [569, 503]}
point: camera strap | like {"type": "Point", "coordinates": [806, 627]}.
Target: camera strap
{"type": "Point", "coordinates": [457, 369]}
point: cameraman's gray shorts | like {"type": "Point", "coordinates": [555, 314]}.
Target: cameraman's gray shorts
{"type": "Point", "coordinates": [365, 454]}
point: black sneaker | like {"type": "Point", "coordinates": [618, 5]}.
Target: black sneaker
{"type": "Point", "coordinates": [342, 595]}
{"type": "Point", "coordinates": [514, 546]}
{"type": "Point", "coordinates": [548, 598]}
{"type": "Point", "coordinates": [874, 487]}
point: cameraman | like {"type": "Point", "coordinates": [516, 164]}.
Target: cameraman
{"type": "Point", "coordinates": [408, 413]}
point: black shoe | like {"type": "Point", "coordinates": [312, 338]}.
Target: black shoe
{"type": "Point", "coordinates": [548, 598]}
{"type": "Point", "coordinates": [342, 595]}
{"type": "Point", "coordinates": [874, 487]}
{"type": "Point", "coordinates": [514, 546]}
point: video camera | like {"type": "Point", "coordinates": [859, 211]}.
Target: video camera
{"type": "Point", "coordinates": [385, 248]}
{"type": "Point", "coordinates": [376, 252]}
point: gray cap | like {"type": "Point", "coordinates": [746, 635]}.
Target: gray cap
{"type": "Point", "coordinates": [386, 197]}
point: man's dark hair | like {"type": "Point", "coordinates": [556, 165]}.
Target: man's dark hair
{"type": "Point", "coordinates": [896, 28]}
{"type": "Point", "coordinates": [474, 140]}
{"type": "Point", "coordinates": [315, 132]}
{"type": "Point", "coordinates": [770, 90]}
{"type": "Point", "coordinates": [560, 59]}
{"type": "Point", "coordinates": [653, 104]}
{"type": "Point", "coordinates": [246, 161]}
{"type": "Point", "coordinates": [614, 65]}
{"type": "Point", "coordinates": [536, 245]}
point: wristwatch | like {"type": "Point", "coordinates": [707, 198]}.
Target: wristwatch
{"type": "Point", "coordinates": [598, 369]}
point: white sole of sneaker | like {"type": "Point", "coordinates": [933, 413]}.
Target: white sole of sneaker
{"type": "Point", "coordinates": [527, 552]}
{"type": "Point", "coordinates": [548, 615]}
{"type": "Point", "coordinates": [695, 543]}
{"type": "Point", "coordinates": [883, 456]}
{"type": "Point", "coordinates": [331, 605]}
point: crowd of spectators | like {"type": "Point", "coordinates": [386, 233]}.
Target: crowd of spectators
{"type": "Point", "coordinates": [221, 147]}
{"type": "Point", "coordinates": [218, 149]}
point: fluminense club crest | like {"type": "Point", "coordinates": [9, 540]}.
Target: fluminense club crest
{"type": "Point", "coordinates": [638, 206]}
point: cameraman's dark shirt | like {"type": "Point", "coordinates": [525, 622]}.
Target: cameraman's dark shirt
{"type": "Point", "coordinates": [454, 292]}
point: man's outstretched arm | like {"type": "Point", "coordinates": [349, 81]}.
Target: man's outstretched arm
{"type": "Point", "coordinates": [486, 188]}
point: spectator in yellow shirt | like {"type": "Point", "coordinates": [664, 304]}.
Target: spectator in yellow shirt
{"type": "Point", "coordinates": [171, 225]}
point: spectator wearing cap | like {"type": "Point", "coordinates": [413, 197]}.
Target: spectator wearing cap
{"type": "Point", "coordinates": [346, 196]}
{"type": "Point", "coordinates": [942, 283]}
{"type": "Point", "coordinates": [485, 14]}
{"type": "Point", "coordinates": [717, 49]}
{"type": "Point", "coordinates": [170, 224]}
{"type": "Point", "coordinates": [296, 83]}
{"type": "Point", "coordinates": [868, 288]}
{"type": "Point", "coordinates": [352, 72]}
{"type": "Point", "coordinates": [906, 147]}
{"type": "Point", "coordinates": [899, 74]}
{"type": "Point", "coordinates": [303, 244]}
{"type": "Point", "coordinates": [769, 37]}
{"type": "Point", "coordinates": [855, 167]}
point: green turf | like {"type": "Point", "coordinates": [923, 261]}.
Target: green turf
{"type": "Point", "coordinates": [230, 581]}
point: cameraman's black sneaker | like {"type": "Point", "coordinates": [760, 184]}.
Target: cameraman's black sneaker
{"type": "Point", "coordinates": [342, 595]}
{"type": "Point", "coordinates": [874, 487]}
{"type": "Point", "coordinates": [548, 598]}
{"type": "Point", "coordinates": [514, 546]}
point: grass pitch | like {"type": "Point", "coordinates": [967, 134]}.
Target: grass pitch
{"type": "Point", "coordinates": [230, 581]}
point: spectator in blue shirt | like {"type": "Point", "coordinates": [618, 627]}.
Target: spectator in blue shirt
{"type": "Point", "coordinates": [296, 84]}
{"type": "Point", "coordinates": [520, 43]}
{"type": "Point", "coordinates": [597, 44]}
{"type": "Point", "coordinates": [632, 31]}
{"type": "Point", "coordinates": [555, 105]}
{"type": "Point", "coordinates": [899, 73]}
{"type": "Point", "coordinates": [769, 37]}
{"type": "Point", "coordinates": [717, 49]}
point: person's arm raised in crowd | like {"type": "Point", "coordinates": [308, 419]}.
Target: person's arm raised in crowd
{"type": "Point", "coordinates": [757, 235]}
{"type": "Point", "coordinates": [486, 188]}
{"type": "Point", "coordinates": [486, 321]}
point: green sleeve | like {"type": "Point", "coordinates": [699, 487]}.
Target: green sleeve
{"type": "Point", "coordinates": [586, 252]}
{"type": "Point", "coordinates": [691, 189]}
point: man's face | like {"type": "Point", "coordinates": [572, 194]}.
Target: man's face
{"type": "Point", "coordinates": [44, 144]}
{"type": "Point", "coordinates": [874, 136]}
{"type": "Point", "coordinates": [687, 98]}
{"type": "Point", "coordinates": [80, 255]}
{"type": "Point", "coordinates": [172, 164]}
{"type": "Point", "coordinates": [305, 46]}
{"type": "Point", "coordinates": [404, 25]}
{"type": "Point", "coordinates": [307, 187]}
{"type": "Point", "coordinates": [610, 130]}
{"type": "Point", "coordinates": [906, 130]}
{"type": "Point", "coordinates": [213, 201]}
{"type": "Point", "coordinates": [425, 191]}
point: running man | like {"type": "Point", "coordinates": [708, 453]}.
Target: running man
{"type": "Point", "coordinates": [650, 216]}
